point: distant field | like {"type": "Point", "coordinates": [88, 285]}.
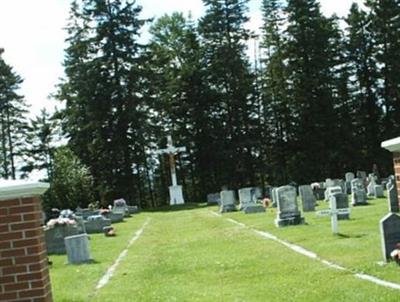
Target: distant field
{"type": "Point", "coordinates": [189, 254]}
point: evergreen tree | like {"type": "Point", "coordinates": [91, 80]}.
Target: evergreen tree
{"type": "Point", "coordinates": [12, 119]}
{"type": "Point", "coordinates": [233, 120]}
{"type": "Point", "coordinates": [276, 119]}
{"type": "Point", "coordinates": [364, 86]}
{"type": "Point", "coordinates": [385, 24]}
{"type": "Point", "coordinates": [311, 64]}
{"type": "Point", "coordinates": [40, 140]}
{"type": "Point", "coordinates": [105, 115]}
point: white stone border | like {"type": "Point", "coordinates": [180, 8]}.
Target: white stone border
{"type": "Point", "coordinates": [110, 272]}
{"type": "Point", "coordinates": [312, 255]}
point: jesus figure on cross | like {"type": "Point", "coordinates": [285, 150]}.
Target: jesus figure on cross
{"type": "Point", "coordinates": [175, 191]}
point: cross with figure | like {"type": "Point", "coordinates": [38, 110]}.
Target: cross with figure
{"type": "Point", "coordinates": [175, 191]}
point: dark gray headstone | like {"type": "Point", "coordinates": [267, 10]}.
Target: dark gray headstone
{"type": "Point", "coordinates": [390, 234]}
{"type": "Point", "coordinates": [54, 237]}
{"type": "Point", "coordinates": [248, 201]}
{"type": "Point", "coordinates": [227, 201]}
{"type": "Point", "coordinates": [378, 191]}
{"type": "Point", "coordinates": [393, 200]}
{"type": "Point", "coordinates": [307, 198]}
{"type": "Point", "coordinates": [214, 199]}
{"type": "Point", "coordinates": [332, 190]}
{"type": "Point", "coordinates": [288, 213]}
{"type": "Point", "coordinates": [342, 202]}
{"type": "Point", "coordinates": [77, 248]}
{"type": "Point", "coordinates": [97, 225]}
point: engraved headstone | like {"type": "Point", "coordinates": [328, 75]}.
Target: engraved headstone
{"type": "Point", "coordinates": [371, 187]}
{"type": "Point", "coordinates": [288, 213]}
{"type": "Point", "coordinates": [54, 237]}
{"type": "Point", "coordinates": [390, 234]}
{"type": "Point", "coordinates": [274, 198]}
{"type": "Point", "coordinates": [248, 201]}
{"type": "Point", "coordinates": [120, 206]}
{"type": "Point", "coordinates": [332, 190]}
{"type": "Point", "coordinates": [378, 191]}
{"type": "Point", "coordinates": [393, 200]}
{"type": "Point", "coordinates": [358, 194]}
{"type": "Point", "coordinates": [95, 224]}
{"type": "Point", "coordinates": [307, 198]}
{"type": "Point", "coordinates": [227, 201]}
{"type": "Point", "coordinates": [77, 248]}
{"type": "Point", "coordinates": [342, 202]}
{"type": "Point", "coordinates": [213, 199]}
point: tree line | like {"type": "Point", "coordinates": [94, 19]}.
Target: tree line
{"type": "Point", "coordinates": [315, 102]}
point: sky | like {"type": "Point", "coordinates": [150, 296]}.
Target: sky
{"type": "Point", "coordinates": [32, 35]}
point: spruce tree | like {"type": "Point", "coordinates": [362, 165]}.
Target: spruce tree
{"type": "Point", "coordinates": [311, 79]}
{"type": "Point", "coordinates": [12, 119]}
{"type": "Point", "coordinates": [384, 27]}
{"type": "Point", "coordinates": [105, 113]}
{"type": "Point", "coordinates": [364, 87]}
{"type": "Point", "coordinates": [233, 118]}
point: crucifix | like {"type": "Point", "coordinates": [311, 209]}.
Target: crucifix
{"type": "Point", "coordinates": [333, 212]}
{"type": "Point", "coordinates": [175, 191]}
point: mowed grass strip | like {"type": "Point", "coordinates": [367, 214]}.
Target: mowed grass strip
{"type": "Point", "coordinates": [358, 247]}
{"type": "Point", "coordinates": [195, 256]}
{"type": "Point", "coordinates": [77, 283]}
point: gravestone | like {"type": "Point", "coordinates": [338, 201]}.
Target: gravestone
{"type": "Point", "coordinates": [77, 248]}
{"type": "Point", "coordinates": [349, 176]}
{"type": "Point", "coordinates": [80, 224]}
{"type": "Point", "coordinates": [332, 190]}
{"type": "Point", "coordinates": [54, 237]}
{"type": "Point", "coordinates": [268, 192]}
{"type": "Point", "coordinates": [95, 224]}
{"type": "Point", "coordinates": [214, 199]}
{"type": "Point", "coordinates": [319, 190]}
{"type": "Point", "coordinates": [362, 175]}
{"type": "Point", "coordinates": [120, 206]}
{"type": "Point", "coordinates": [274, 198]}
{"type": "Point", "coordinates": [248, 201]}
{"type": "Point", "coordinates": [371, 187]}
{"type": "Point", "coordinates": [288, 213]}
{"type": "Point", "coordinates": [393, 200]}
{"type": "Point", "coordinates": [85, 213]}
{"type": "Point", "coordinates": [358, 194]}
{"type": "Point", "coordinates": [133, 209]}
{"type": "Point", "coordinates": [378, 191]}
{"type": "Point", "coordinates": [342, 202]}
{"type": "Point", "coordinates": [307, 198]}
{"type": "Point", "coordinates": [390, 234]}
{"type": "Point", "coordinates": [115, 217]}
{"type": "Point", "coordinates": [333, 212]}
{"type": "Point", "coordinates": [227, 201]}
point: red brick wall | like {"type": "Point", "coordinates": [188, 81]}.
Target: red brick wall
{"type": "Point", "coordinates": [396, 160]}
{"type": "Point", "coordinates": [24, 274]}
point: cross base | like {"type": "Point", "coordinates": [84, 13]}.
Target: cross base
{"type": "Point", "coordinates": [176, 195]}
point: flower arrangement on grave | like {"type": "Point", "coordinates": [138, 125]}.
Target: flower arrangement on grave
{"type": "Point", "coordinates": [266, 202]}
{"type": "Point", "coordinates": [60, 222]}
{"type": "Point", "coordinates": [395, 254]}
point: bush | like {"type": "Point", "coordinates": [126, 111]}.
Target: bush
{"type": "Point", "coordinates": [71, 184]}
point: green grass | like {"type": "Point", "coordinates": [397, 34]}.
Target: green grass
{"type": "Point", "coordinates": [191, 255]}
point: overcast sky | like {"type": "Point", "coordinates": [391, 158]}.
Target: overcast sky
{"type": "Point", "coordinates": [31, 32]}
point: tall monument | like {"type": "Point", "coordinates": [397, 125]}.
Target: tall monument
{"type": "Point", "coordinates": [175, 191]}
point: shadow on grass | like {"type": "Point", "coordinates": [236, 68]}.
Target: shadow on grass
{"type": "Point", "coordinates": [344, 236]}
{"type": "Point", "coordinates": [177, 208]}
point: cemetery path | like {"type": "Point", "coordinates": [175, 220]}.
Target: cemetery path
{"type": "Point", "coordinates": [191, 256]}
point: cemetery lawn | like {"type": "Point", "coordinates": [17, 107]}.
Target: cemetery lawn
{"type": "Point", "coordinates": [189, 254]}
